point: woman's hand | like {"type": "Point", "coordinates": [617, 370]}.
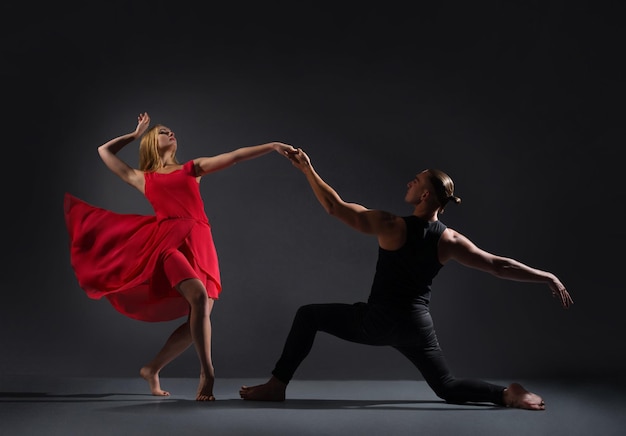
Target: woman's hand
{"type": "Point", "coordinates": [284, 149]}
{"type": "Point", "coordinates": [143, 122]}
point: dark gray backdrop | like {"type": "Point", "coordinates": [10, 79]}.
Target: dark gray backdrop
{"type": "Point", "coordinates": [521, 104]}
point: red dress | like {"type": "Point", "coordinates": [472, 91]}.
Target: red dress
{"type": "Point", "coordinates": [119, 256]}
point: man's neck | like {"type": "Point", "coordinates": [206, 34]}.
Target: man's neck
{"type": "Point", "coordinates": [424, 213]}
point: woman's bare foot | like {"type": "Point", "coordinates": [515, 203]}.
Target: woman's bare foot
{"type": "Point", "coordinates": [272, 390]}
{"type": "Point", "coordinates": [205, 389]}
{"type": "Point", "coordinates": [153, 380]}
{"type": "Point", "coordinates": [518, 397]}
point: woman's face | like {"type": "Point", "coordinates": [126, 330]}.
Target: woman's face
{"type": "Point", "coordinates": [166, 139]}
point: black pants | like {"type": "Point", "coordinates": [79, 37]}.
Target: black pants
{"type": "Point", "coordinates": [410, 331]}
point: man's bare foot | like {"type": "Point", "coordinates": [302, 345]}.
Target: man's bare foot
{"type": "Point", "coordinates": [518, 397]}
{"type": "Point", "coordinates": [153, 380]}
{"type": "Point", "coordinates": [272, 390]}
{"type": "Point", "coordinates": [205, 389]}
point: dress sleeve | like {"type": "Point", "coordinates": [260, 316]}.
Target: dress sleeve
{"type": "Point", "coordinates": [189, 168]}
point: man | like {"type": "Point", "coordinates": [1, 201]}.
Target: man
{"type": "Point", "coordinates": [412, 250]}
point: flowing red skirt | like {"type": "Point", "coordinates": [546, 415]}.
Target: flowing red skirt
{"type": "Point", "coordinates": [120, 257]}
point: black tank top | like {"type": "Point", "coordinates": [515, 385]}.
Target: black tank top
{"type": "Point", "coordinates": [404, 276]}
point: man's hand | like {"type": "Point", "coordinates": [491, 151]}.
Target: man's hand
{"type": "Point", "coordinates": [300, 160]}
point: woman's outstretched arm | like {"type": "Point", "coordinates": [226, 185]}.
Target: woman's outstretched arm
{"type": "Point", "coordinates": [206, 165]}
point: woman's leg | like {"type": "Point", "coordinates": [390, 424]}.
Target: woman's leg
{"type": "Point", "coordinates": [179, 341]}
{"type": "Point", "coordinates": [182, 276]}
{"type": "Point", "coordinates": [200, 327]}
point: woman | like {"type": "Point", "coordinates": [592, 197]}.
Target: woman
{"type": "Point", "coordinates": [157, 267]}
{"type": "Point", "coordinates": [411, 251]}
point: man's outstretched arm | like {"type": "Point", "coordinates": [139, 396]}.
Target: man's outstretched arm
{"type": "Point", "coordinates": [370, 221]}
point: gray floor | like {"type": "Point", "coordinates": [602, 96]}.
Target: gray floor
{"type": "Point", "coordinates": [120, 406]}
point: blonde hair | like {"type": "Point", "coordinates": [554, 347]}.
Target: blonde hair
{"type": "Point", "coordinates": [444, 188]}
{"type": "Point", "coordinates": [149, 158]}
